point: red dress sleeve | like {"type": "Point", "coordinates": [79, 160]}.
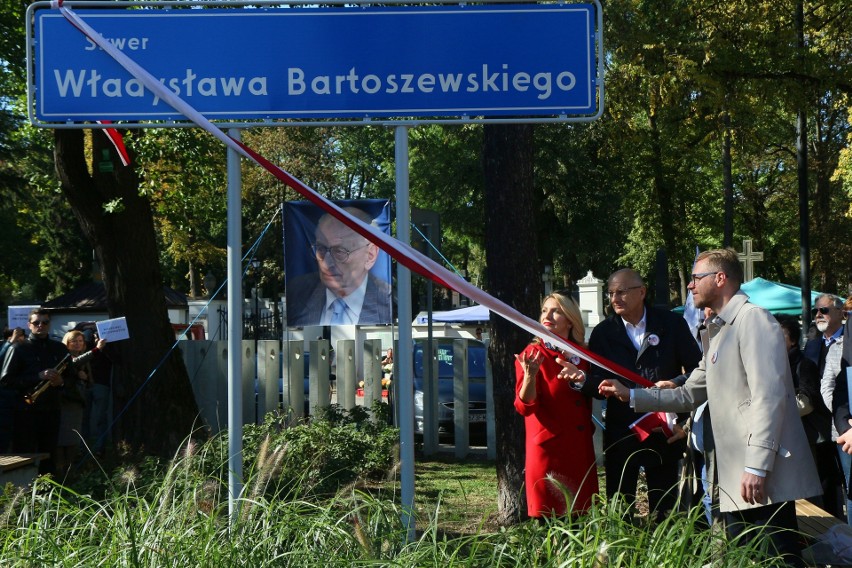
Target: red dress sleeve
{"type": "Point", "coordinates": [524, 408]}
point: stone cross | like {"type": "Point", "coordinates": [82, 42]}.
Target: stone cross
{"type": "Point", "coordinates": [748, 257]}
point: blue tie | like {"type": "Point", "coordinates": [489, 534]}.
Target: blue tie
{"type": "Point", "coordinates": [338, 309]}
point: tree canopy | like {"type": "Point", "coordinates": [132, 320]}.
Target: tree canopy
{"type": "Point", "coordinates": [698, 131]}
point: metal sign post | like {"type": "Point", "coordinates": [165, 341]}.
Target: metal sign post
{"type": "Point", "coordinates": [405, 356]}
{"type": "Point", "coordinates": [235, 331]}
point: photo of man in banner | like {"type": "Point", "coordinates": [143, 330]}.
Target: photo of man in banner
{"type": "Point", "coordinates": [333, 275]}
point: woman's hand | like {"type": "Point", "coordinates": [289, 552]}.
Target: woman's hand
{"type": "Point", "coordinates": [570, 372]}
{"type": "Point", "coordinates": [530, 363]}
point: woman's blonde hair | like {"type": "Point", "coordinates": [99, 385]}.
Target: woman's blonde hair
{"type": "Point", "coordinates": [66, 339]}
{"type": "Point", "coordinates": [572, 311]}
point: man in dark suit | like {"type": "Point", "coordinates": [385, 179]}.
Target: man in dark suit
{"type": "Point", "coordinates": [28, 365]}
{"type": "Point", "coordinates": [658, 345]}
{"type": "Point", "coordinates": [825, 352]}
{"type": "Point", "coordinates": [841, 406]}
{"type": "Point", "coordinates": [342, 291]}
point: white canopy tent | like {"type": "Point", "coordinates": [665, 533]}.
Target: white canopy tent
{"type": "Point", "coordinates": [471, 314]}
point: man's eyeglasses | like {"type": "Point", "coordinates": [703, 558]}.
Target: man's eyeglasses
{"type": "Point", "coordinates": [38, 323]}
{"type": "Point", "coordinates": [823, 310]}
{"type": "Point", "coordinates": [339, 254]}
{"type": "Point", "coordinates": [621, 292]}
{"type": "Point", "coordinates": [698, 276]}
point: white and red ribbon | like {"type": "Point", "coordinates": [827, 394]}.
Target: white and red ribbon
{"type": "Point", "coordinates": [403, 253]}
{"type": "Point", "coordinates": [117, 142]}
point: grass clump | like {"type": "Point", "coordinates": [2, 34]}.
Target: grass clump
{"type": "Point", "coordinates": [323, 494]}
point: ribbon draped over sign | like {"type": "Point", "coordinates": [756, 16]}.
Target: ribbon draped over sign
{"type": "Point", "coordinates": [403, 253]}
{"type": "Point", "coordinates": [117, 142]}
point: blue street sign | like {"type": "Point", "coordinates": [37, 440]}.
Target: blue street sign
{"type": "Point", "coordinates": [339, 62]}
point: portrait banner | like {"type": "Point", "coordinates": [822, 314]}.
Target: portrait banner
{"type": "Point", "coordinates": [333, 275]}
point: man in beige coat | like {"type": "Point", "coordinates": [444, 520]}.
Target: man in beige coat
{"type": "Point", "coordinates": [763, 459]}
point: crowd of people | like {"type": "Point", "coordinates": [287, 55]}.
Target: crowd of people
{"type": "Point", "coordinates": [54, 395]}
{"type": "Point", "coordinates": [763, 423]}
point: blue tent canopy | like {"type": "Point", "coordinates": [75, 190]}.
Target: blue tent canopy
{"type": "Point", "coordinates": [776, 297]}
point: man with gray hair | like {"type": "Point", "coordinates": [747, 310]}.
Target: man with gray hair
{"type": "Point", "coordinates": [342, 291]}
{"type": "Point", "coordinates": [657, 345]}
{"type": "Point", "coordinates": [826, 352]}
{"type": "Point", "coordinates": [828, 319]}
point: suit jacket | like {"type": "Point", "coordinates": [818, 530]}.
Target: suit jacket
{"type": "Point", "coordinates": [675, 352]}
{"type": "Point", "coordinates": [306, 301]}
{"type": "Point", "coordinates": [806, 380]}
{"type": "Point", "coordinates": [840, 400]}
{"type": "Point", "coordinates": [746, 377]}
{"type": "Point", "coordinates": [815, 350]}
{"type": "Point", "coordinates": [21, 368]}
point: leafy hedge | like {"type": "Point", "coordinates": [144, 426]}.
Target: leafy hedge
{"type": "Point", "coordinates": [281, 457]}
{"type": "Point", "coordinates": [320, 456]}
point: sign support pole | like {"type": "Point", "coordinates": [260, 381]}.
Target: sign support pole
{"type": "Point", "coordinates": [405, 357]}
{"type": "Point", "coordinates": [235, 332]}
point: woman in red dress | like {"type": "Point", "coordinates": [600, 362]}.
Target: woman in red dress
{"type": "Point", "coordinates": [560, 455]}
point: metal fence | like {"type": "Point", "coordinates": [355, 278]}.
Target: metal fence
{"type": "Point", "coordinates": [264, 326]}
{"type": "Point", "coordinates": [285, 376]}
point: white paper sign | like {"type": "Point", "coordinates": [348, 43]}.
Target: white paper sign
{"type": "Point", "coordinates": [19, 316]}
{"type": "Point", "coordinates": [113, 329]}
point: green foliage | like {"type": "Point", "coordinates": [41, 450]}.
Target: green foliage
{"type": "Point", "coordinates": [177, 514]}
{"type": "Point", "coordinates": [330, 451]}
{"type": "Point", "coordinates": [185, 179]}
{"type": "Point", "coordinates": [182, 519]}
{"type": "Point", "coordinates": [681, 78]}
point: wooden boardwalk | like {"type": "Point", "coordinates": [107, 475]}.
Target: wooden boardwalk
{"type": "Point", "coordinates": [815, 522]}
{"type": "Point", "coordinates": [19, 469]}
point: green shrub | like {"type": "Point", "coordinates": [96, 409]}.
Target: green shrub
{"type": "Point", "coordinates": [324, 454]}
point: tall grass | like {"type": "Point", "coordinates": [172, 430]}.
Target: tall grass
{"type": "Point", "coordinates": [180, 519]}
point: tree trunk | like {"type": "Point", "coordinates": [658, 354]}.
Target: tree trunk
{"type": "Point", "coordinates": [823, 165]}
{"type": "Point", "coordinates": [154, 415]}
{"type": "Point", "coordinates": [663, 191]}
{"type": "Point", "coordinates": [728, 182]}
{"type": "Point", "coordinates": [514, 277]}
{"type": "Point", "coordinates": [802, 176]}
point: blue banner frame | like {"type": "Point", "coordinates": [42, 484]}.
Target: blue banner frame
{"type": "Point", "coordinates": [307, 62]}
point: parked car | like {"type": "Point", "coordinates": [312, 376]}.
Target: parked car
{"type": "Point", "coordinates": [476, 354]}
